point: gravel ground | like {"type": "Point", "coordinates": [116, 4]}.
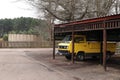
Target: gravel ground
{"type": "Point", "coordinates": [37, 64]}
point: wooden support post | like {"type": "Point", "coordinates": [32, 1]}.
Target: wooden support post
{"type": "Point", "coordinates": [104, 47]}
{"type": "Point", "coordinates": [101, 51]}
{"type": "Point", "coordinates": [53, 44]}
{"type": "Point", "coordinates": [73, 45]}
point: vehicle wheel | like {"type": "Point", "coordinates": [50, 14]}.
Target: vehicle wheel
{"type": "Point", "coordinates": [68, 57]}
{"type": "Point", "coordinates": [80, 57]}
{"type": "Point", "coordinates": [108, 56]}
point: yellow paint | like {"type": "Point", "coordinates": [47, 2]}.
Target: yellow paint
{"type": "Point", "coordinates": [85, 46]}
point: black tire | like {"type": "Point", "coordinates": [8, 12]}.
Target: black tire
{"type": "Point", "coordinates": [68, 57]}
{"type": "Point", "coordinates": [80, 56]}
{"type": "Point", "coordinates": [108, 56]}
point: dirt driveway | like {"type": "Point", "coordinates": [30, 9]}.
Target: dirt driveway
{"type": "Point", "coordinates": [37, 64]}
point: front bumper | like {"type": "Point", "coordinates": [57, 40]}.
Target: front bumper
{"type": "Point", "coordinates": [63, 52]}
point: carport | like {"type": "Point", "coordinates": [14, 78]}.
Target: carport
{"type": "Point", "coordinates": [103, 28]}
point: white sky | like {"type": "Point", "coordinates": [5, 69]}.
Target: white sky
{"type": "Point", "coordinates": [11, 9]}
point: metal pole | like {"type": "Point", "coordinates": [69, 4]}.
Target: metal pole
{"type": "Point", "coordinates": [53, 43]}
{"type": "Point", "coordinates": [73, 45]}
{"type": "Point", "coordinates": [104, 47]}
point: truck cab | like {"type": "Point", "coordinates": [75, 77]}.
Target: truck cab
{"type": "Point", "coordinates": [83, 48]}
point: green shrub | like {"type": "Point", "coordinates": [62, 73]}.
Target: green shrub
{"type": "Point", "coordinates": [5, 37]}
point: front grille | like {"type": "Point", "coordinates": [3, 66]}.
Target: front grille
{"type": "Point", "coordinates": [63, 51]}
{"type": "Point", "coordinates": [63, 47]}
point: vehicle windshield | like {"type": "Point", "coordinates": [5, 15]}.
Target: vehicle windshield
{"type": "Point", "coordinates": [67, 38]}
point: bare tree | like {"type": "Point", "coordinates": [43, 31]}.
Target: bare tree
{"type": "Point", "coordinates": [63, 10]}
{"type": "Point", "coordinates": [71, 10]}
{"type": "Point", "coordinates": [117, 6]}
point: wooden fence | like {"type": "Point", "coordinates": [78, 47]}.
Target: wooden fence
{"type": "Point", "coordinates": [28, 44]}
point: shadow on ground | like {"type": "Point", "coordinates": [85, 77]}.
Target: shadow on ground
{"type": "Point", "coordinates": [60, 61]}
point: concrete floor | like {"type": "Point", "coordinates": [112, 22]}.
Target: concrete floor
{"type": "Point", "coordinates": [16, 65]}
{"type": "Point", "coordinates": [37, 64]}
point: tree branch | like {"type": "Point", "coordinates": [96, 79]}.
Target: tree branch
{"type": "Point", "coordinates": [54, 15]}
